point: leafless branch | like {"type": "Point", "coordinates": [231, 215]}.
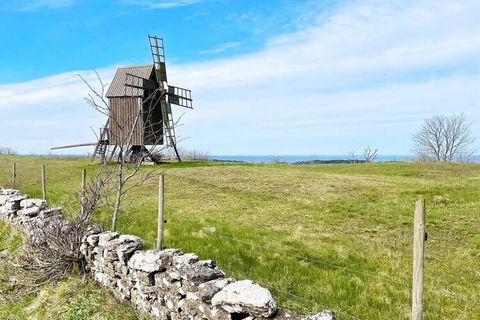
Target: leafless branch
{"type": "Point", "coordinates": [370, 154]}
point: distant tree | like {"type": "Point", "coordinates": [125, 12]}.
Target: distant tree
{"type": "Point", "coordinates": [351, 154]}
{"type": "Point", "coordinates": [370, 154]}
{"type": "Point", "coordinates": [444, 138]}
{"type": "Point", "coordinates": [8, 151]}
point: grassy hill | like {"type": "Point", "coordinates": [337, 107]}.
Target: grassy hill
{"type": "Point", "coordinates": [319, 236]}
{"type": "Point", "coordinates": [71, 299]}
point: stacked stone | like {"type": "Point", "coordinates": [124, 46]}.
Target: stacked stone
{"type": "Point", "coordinates": [171, 284]}
{"type": "Point", "coordinates": [167, 284]}
{"type": "Point", "coordinates": [28, 213]}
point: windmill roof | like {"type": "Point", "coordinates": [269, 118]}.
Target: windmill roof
{"type": "Point", "coordinates": [119, 89]}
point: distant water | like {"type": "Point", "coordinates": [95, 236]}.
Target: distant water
{"type": "Point", "coordinates": [301, 158]}
{"type": "Point", "coordinates": [280, 158]}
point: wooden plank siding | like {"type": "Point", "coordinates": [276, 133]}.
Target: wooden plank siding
{"type": "Point", "coordinates": [124, 107]}
{"type": "Point", "coordinates": [123, 111]}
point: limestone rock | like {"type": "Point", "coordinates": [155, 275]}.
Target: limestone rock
{"type": "Point", "coordinates": [9, 192]}
{"type": "Point", "coordinates": [207, 290]}
{"type": "Point", "coordinates": [147, 261]}
{"type": "Point", "coordinates": [104, 237]}
{"type": "Point", "coordinates": [184, 259]}
{"type": "Point", "coordinates": [245, 297]}
{"type": "Point", "coordinates": [3, 199]}
{"type": "Point", "coordinates": [50, 213]}
{"type": "Point", "coordinates": [29, 212]}
{"type": "Point", "coordinates": [286, 315]}
{"type": "Point", "coordinates": [13, 203]}
{"type": "Point", "coordinates": [91, 240]}
{"type": "Point", "coordinates": [324, 315]}
{"type": "Point", "coordinates": [152, 260]}
{"type": "Point", "coordinates": [29, 203]}
{"type": "Point", "coordinates": [198, 272]}
{"type": "Point", "coordinates": [122, 248]}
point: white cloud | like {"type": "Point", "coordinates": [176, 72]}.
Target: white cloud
{"type": "Point", "coordinates": [364, 74]}
{"type": "Point", "coordinates": [363, 41]}
{"type": "Point", "coordinates": [29, 5]}
{"type": "Point", "coordinates": [48, 112]}
{"type": "Point", "coordinates": [195, 15]}
{"type": "Point", "coordinates": [222, 47]}
{"type": "Point", "coordinates": [160, 4]}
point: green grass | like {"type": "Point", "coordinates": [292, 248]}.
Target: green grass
{"type": "Point", "coordinates": [71, 299]}
{"type": "Point", "coordinates": [292, 225]}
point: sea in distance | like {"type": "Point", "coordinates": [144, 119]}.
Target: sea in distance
{"type": "Point", "coordinates": [312, 158]}
{"type": "Point", "coordinates": [304, 158]}
{"type": "Point", "coordinates": [292, 159]}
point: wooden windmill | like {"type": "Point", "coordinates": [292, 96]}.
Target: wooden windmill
{"type": "Point", "coordinates": [140, 112]}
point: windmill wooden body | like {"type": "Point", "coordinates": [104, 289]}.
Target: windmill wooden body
{"type": "Point", "coordinates": [140, 112]}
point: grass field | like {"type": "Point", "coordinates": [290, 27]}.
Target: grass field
{"type": "Point", "coordinates": [320, 236]}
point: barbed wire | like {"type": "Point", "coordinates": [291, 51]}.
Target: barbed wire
{"type": "Point", "coordinates": [429, 290]}
{"type": "Point", "coordinates": [451, 296]}
{"type": "Point", "coordinates": [271, 287]}
{"type": "Point", "coordinates": [317, 261]}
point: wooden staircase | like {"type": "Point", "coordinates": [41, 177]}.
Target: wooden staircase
{"type": "Point", "coordinates": [101, 147]}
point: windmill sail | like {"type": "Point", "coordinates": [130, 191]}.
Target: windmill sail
{"type": "Point", "coordinates": [158, 55]}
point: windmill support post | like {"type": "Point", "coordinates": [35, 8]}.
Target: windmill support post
{"type": "Point", "coordinates": [419, 238]}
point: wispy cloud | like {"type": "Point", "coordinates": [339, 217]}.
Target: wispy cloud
{"type": "Point", "coordinates": [195, 15]}
{"type": "Point", "coordinates": [222, 47]}
{"type": "Point", "coordinates": [30, 5]}
{"type": "Point", "coordinates": [49, 112]}
{"type": "Point", "coordinates": [365, 74]}
{"type": "Point", "coordinates": [160, 4]}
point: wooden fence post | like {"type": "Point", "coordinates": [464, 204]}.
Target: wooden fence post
{"type": "Point", "coordinates": [418, 259]}
{"type": "Point", "coordinates": [44, 190]}
{"type": "Point", "coordinates": [161, 207]}
{"type": "Point", "coordinates": [84, 192]}
{"type": "Point", "coordinates": [14, 174]}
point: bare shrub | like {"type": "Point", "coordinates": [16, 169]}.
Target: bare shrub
{"type": "Point", "coordinates": [351, 155]}
{"type": "Point", "coordinates": [198, 155]}
{"type": "Point", "coordinates": [193, 155]}
{"type": "Point", "coordinates": [49, 254]}
{"type": "Point", "coordinates": [7, 151]}
{"type": "Point", "coordinates": [370, 154]}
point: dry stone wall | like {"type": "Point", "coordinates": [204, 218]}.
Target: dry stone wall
{"type": "Point", "coordinates": [168, 284]}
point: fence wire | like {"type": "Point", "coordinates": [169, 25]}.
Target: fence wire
{"type": "Point", "coordinates": [316, 261]}
{"type": "Point", "coordinates": [429, 289]}
{"type": "Point", "coordinates": [297, 297]}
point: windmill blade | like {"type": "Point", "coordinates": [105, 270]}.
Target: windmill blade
{"type": "Point", "coordinates": [158, 55]}
{"type": "Point", "coordinates": [180, 96]}
{"type": "Point", "coordinates": [75, 145]}
{"type": "Point", "coordinates": [137, 82]}
{"type": "Point", "coordinates": [169, 127]}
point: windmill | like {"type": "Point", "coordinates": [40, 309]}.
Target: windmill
{"type": "Point", "coordinates": [140, 111]}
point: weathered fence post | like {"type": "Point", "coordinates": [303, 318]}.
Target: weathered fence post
{"type": "Point", "coordinates": [44, 190]}
{"type": "Point", "coordinates": [161, 207]}
{"type": "Point", "coordinates": [418, 259]}
{"type": "Point", "coordinates": [14, 174]}
{"type": "Point", "coordinates": [84, 186]}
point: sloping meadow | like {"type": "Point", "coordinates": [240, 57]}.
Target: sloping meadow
{"type": "Point", "coordinates": [317, 236]}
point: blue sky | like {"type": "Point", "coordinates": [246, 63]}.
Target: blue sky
{"type": "Point", "coordinates": [268, 77]}
{"type": "Point", "coordinates": [53, 36]}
